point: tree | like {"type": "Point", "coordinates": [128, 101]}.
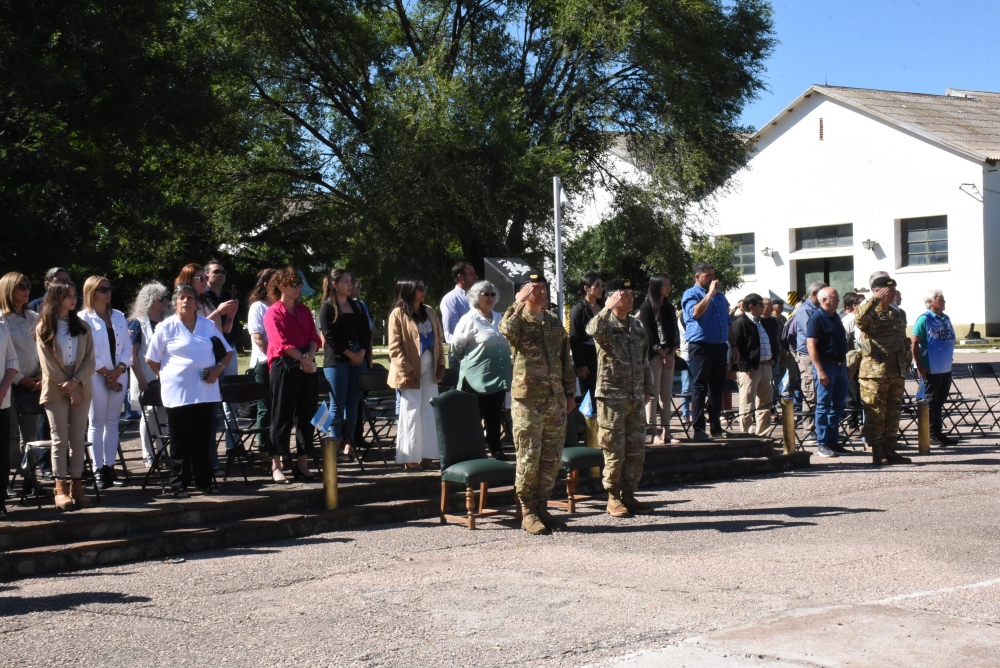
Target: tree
{"type": "Point", "coordinates": [427, 126]}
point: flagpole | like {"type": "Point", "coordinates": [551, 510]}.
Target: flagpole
{"type": "Point", "coordinates": [556, 187]}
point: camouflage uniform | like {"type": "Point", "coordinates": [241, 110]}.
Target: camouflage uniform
{"type": "Point", "coordinates": [623, 382]}
{"type": "Point", "coordinates": [885, 357]}
{"type": "Point", "coordinates": [543, 378]}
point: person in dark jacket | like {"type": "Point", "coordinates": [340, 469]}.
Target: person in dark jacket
{"type": "Point", "coordinates": [660, 322]}
{"type": "Point", "coordinates": [581, 344]}
{"type": "Point", "coordinates": [758, 349]}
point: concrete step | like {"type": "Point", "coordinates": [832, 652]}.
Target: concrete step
{"type": "Point", "coordinates": [134, 525]}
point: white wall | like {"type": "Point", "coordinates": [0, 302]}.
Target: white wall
{"type": "Point", "coordinates": [868, 173]}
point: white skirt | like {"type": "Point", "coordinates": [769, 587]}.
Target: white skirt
{"type": "Point", "coordinates": [416, 433]}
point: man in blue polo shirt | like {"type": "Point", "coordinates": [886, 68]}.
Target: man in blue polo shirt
{"type": "Point", "coordinates": [808, 384]}
{"type": "Point", "coordinates": [826, 341]}
{"type": "Point", "coordinates": [706, 321]}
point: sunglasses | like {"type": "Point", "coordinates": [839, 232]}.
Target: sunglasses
{"type": "Point", "coordinates": [489, 294]}
{"type": "Point", "coordinates": [295, 284]}
{"type": "Point", "coordinates": [201, 278]}
{"type": "Point", "coordinates": [24, 286]}
{"type": "Point", "coordinates": [422, 288]}
{"type": "Point", "coordinates": [104, 289]}
{"type": "Point", "coordinates": [219, 272]}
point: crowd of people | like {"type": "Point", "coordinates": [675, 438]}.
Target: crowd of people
{"type": "Point", "coordinates": [78, 357]}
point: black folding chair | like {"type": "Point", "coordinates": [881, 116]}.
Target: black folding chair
{"type": "Point", "coordinates": [241, 431]}
{"type": "Point", "coordinates": [677, 399]}
{"type": "Point", "coordinates": [157, 431]}
{"type": "Point", "coordinates": [988, 386]}
{"type": "Point", "coordinates": [379, 413]}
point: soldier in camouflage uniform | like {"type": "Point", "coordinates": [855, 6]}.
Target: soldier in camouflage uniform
{"type": "Point", "coordinates": [885, 357]}
{"type": "Point", "coordinates": [542, 394]}
{"type": "Point", "coordinates": [624, 385]}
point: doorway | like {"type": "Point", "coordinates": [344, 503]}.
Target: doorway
{"type": "Point", "coordinates": [837, 272]}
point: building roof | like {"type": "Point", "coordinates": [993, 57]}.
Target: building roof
{"type": "Point", "coordinates": [963, 120]}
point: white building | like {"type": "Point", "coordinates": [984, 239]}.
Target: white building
{"type": "Point", "coordinates": [846, 181]}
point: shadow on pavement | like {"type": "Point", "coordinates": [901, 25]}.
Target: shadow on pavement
{"type": "Point", "coordinates": [14, 606]}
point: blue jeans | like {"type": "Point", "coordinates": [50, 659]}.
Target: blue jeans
{"type": "Point", "coordinates": [343, 378]}
{"type": "Point", "coordinates": [830, 400]}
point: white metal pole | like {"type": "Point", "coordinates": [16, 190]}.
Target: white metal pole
{"type": "Point", "coordinates": [556, 187]}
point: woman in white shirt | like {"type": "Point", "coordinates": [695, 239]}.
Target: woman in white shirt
{"type": "Point", "coordinates": [188, 354]}
{"type": "Point", "coordinates": [66, 353]}
{"type": "Point", "coordinates": [151, 307]}
{"type": "Point", "coordinates": [260, 299]}
{"type": "Point", "coordinates": [20, 322]}
{"type": "Point", "coordinates": [484, 356]}
{"type": "Point", "coordinates": [113, 356]}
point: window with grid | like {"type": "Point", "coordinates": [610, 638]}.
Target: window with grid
{"type": "Point", "coordinates": [825, 236]}
{"type": "Point", "coordinates": [743, 256]}
{"type": "Point", "coordinates": [925, 241]}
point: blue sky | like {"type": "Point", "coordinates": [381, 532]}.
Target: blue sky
{"type": "Point", "coordinates": [920, 46]}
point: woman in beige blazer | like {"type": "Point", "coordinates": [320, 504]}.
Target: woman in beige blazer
{"type": "Point", "coordinates": [416, 366]}
{"type": "Point", "coordinates": [66, 354]}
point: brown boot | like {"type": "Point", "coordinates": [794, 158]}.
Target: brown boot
{"type": "Point", "coordinates": [550, 522]}
{"type": "Point", "coordinates": [634, 505]}
{"type": "Point", "coordinates": [878, 455]}
{"type": "Point", "coordinates": [62, 498]}
{"type": "Point", "coordinates": [76, 491]}
{"type": "Point", "coordinates": [615, 506]}
{"type": "Point", "coordinates": [894, 457]}
{"type": "Point", "coordinates": [530, 521]}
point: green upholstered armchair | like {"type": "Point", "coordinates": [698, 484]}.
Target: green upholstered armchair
{"type": "Point", "coordinates": [574, 459]}
{"type": "Point", "coordinates": [463, 455]}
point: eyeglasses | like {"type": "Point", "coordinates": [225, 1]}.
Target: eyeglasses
{"type": "Point", "coordinates": [489, 294]}
{"type": "Point", "coordinates": [201, 278]}
{"type": "Point", "coordinates": [295, 284]}
{"type": "Point", "coordinates": [422, 288]}
{"type": "Point", "coordinates": [24, 286]}
{"type": "Point", "coordinates": [104, 289]}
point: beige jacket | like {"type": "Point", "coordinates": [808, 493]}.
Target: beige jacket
{"type": "Point", "coordinates": [404, 349]}
{"type": "Point", "coordinates": [54, 372]}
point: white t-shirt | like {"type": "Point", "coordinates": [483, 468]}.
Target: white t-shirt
{"type": "Point", "coordinates": [255, 325]}
{"type": "Point", "coordinates": [182, 355]}
{"type": "Point", "coordinates": [9, 358]}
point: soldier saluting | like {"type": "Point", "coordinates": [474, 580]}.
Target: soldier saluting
{"type": "Point", "coordinates": [541, 396]}
{"type": "Point", "coordinates": [885, 358]}
{"type": "Point", "coordinates": [624, 385]}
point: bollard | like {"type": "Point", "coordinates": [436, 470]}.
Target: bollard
{"type": "Point", "coordinates": [788, 425]}
{"type": "Point", "coordinates": [330, 491]}
{"type": "Point", "coordinates": [923, 428]}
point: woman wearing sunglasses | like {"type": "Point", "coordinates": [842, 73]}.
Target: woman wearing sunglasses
{"type": "Point", "coordinates": [113, 355]}
{"type": "Point", "coordinates": [484, 360]}
{"type": "Point", "coordinates": [416, 366]}
{"type": "Point", "coordinates": [20, 322]}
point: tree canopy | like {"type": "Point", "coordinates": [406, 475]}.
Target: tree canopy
{"type": "Point", "coordinates": [393, 136]}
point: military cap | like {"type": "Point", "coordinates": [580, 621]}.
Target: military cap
{"type": "Point", "coordinates": [535, 278]}
{"type": "Point", "coordinates": [883, 282]}
{"type": "Point", "coordinates": [618, 284]}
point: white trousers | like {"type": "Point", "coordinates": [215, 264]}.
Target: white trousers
{"type": "Point", "coordinates": [105, 411]}
{"type": "Point", "coordinates": [416, 433]}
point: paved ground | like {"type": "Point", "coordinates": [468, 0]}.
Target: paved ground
{"type": "Point", "coordinates": [841, 565]}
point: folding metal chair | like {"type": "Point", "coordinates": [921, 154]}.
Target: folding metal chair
{"type": "Point", "coordinates": [241, 431]}
{"type": "Point", "coordinates": [958, 410]}
{"type": "Point", "coordinates": [677, 399]}
{"type": "Point", "coordinates": [157, 431]}
{"type": "Point", "coordinates": [379, 413]}
{"type": "Point", "coordinates": [988, 386]}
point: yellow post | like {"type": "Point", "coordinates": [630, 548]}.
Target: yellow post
{"type": "Point", "coordinates": [330, 447]}
{"type": "Point", "coordinates": [923, 428]}
{"type": "Point", "coordinates": [591, 442]}
{"type": "Point", "coordinates": [788, 425]}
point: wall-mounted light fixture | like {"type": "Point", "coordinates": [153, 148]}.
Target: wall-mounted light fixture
{"type": "Point", "coordinates": [767, 251]}
{"type": "Point", "coordinates": [869, 244]}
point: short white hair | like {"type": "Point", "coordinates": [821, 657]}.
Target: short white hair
{"type": "Point", "coordinates": [477, 290]}
{"type": "Point", "coordinates": [931, 296]}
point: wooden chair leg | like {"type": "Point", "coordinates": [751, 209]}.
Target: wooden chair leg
{"type": "Point", "coordinates": [571, 480]}
{"type": "Point", "coordinates": [482, 497]}
{"type": "Point", "coordinates": [470, 507]}
{"type": "Point", "coordinates": [444, 501]}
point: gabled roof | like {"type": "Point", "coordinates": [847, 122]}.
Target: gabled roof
{"type": "Point", "coordinates": [965, 121]}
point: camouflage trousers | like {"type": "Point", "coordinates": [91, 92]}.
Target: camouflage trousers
{"type": "Point", "coordinates": [621, 433]}
{"type": "Point", "coordinates": [882, 399]}
{"type": "Point", "coordinates": [539, 432]}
